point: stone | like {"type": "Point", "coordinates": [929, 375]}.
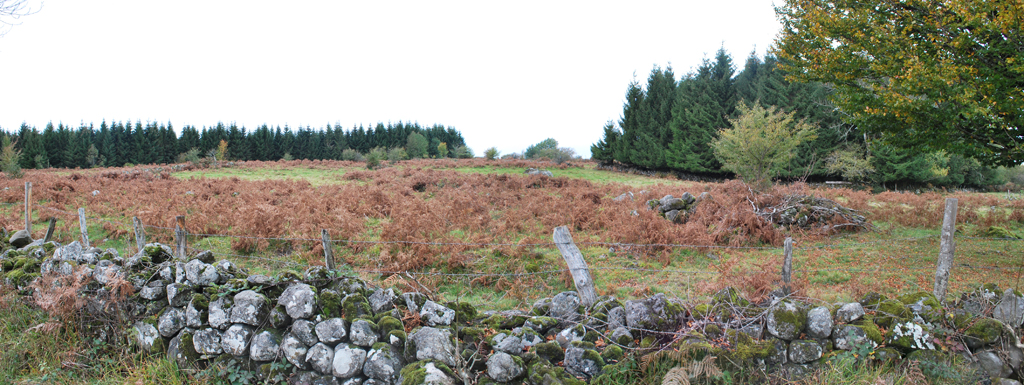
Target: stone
{"type": "Point", "coordinates": [305, 331]}
{"type": "Point", "coordinates": [565, 308]}
{"type": "Point", "coordinates": [348, 361]}
{"type": "Point", "coordinates": [434, 314]}
{"type": "Point", "coordinates": [382, 300]}
{"type": "Point", "coordinates": [250, 308]}
{"type": "Point", "coordinates": [279, 317]}
{"type": "Point", "coordinates": [145, 336]}
{"type": "Point", "coordinates": [361, 333]}
{"type": "Point", "coordinates": [568, 335]}
{"type": "Point", "coordinates": [583, 362]}
{"type": "Point", "coordinates": [1004, 381]}
{"type": "Point", "coordinates": [178, 294]}
{"type": "Point", "coordinates": [992, 364]}
{"type": "Point", "coordinates": [200, 274]}
{"type": "Point", "coordinates": [171, 321]}
{"type": "Point", "coordinates": [383, 364]}
{"type": "Point", "coordinates": [1010, 309]}
{"type": "Point", "coordinates": [321, 358]}
{"type": "Point", "coordinates": [432, 375]}
{"type": "Point", "coordinates": [106, 271]}
{"type": "Point", "coordinates": [265, 346]}
{"type": "Point", "coordinates": [179, 273]}
{"type": "Point", "coordinates": [622, 336]}
{"type": "Point", "coordinates": [154, 290]}
{"type": "Point", "coordinates": [672, 215]}
{"type": "Point", "coordinates": [509, 344]}
{"type": "Point", "coordinates": [181, 349]}
{"type": "Point", "coordinates": [70, 252]}
{"type": "Point", "coordinates": [502, 367]}
{"type": "Point", "coordinates": [331, 331]}
{"type": "Point", "coordinates": [653, 313]}
{"type": "Point", "coordinates": [616, 318]}
{"type": "Point", "coordinates": [294, 351]}
{"type": "Point", "coordinates": [207, 341]}
{"type": "Point", "coordinates": [786, 321]}
{"type": "Point", "coordinates": [819, 323]}
{"type": "Point", "coordinates": [624, 196]}
{"type": "Point", "coordinates": [849, 312]}
{"type": "Point", "coordinates": [195, 317]}
{"type": "Point", "coordinates": [848, 337]}
{"type": "Point", "coordinates": [235, 341]}
{"type": "Point", "coordinates": [413, 301]}
{"type": "Point", "coordinates": [432, 344]}
{"type": "Point", "coordinates": [909, 336]}
{"type": "Point", "coordinates": [804, 351]}
{"type": "Point", "coordinates": [20, 238]}
{"type": "Point", "coordinates": [299, 300]}
{"type": "Point", "coordinates": [220, 313]}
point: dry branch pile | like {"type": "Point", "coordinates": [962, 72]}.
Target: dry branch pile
{"type": "Point", "coordinates": [809, 211]}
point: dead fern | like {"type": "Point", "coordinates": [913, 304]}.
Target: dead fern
{"type": "Point", "coordinates": [681, 375]}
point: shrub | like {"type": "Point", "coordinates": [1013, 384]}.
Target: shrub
{"type": "Point", "coordinates": [534, 151]}
{"type": "Point", "coordinates": [491, 153]}
{"type": "Point", "coordinates": [462, 152]}
{"type": "Point", "coordinates": [396, 154]}
{"type": "Point", "coordinates": [760, 142]}
{"type": "Point", "coordinates": [557, 155]}
{"type": "Point", "coordinates": [9, 157]}
{"type": "Point", "coordinates": [351, 154]}
{"type": "Point", "coordinates": [416, 145]}
{"type": "Point", "coordinates": [374, 157]}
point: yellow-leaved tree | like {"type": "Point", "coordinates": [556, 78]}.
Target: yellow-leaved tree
{"type": "Point", "coordinates": [760, 142]}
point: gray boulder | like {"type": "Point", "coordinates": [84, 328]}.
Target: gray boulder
{"type": "Point", "coordinates": [178, 294]}
{"type": "Point", "coordinates": [266, 346]}
{"type": "Point", "coordinates": [786, 321]}
{"type": "Point", "coordinates": [171, 322]}
{"type": "Point", "coordinates": [565, 307]}
{"type": "Point", "coordinates": [383, 364]}
{"type": "Point", "coordinates": [434, 314]}
{"type": "Point", "coordinates": [413, 301]}
{"type": "Point", "coordinates": [200, 274]}
{"type": "Point", "coordinates": [220, 312]}
{"type": "Point", "coordinates": [382, 300]}
{"type": "Point", "coordinates": [195, 317]}
{"type": "Point", "coordinates": [432, 344]}
{"type": "Point", "coordinates": [1010, 309]}
{"type": "Point", "coordinates": [583, 362]}
{"type": "Point", "coordinates": [331, 331]}
{"type": "Point", "coordinates": [502, 367]}
{"type": "Point", "coordinates": [653, 313]}
{"type": "Point", "coordinates": [299, 300]}
{"type": "Point", "coordinates": [616, 318]}
{"type": "Point", "coordinates": [992, 364]}
{"type": "Point", "coordinates": [207, 341]}
{"type": "Point", "coordinates": [250, 308]}
{"type": "Point", "coordinates": [849, 312]}
{"type": "Point", "coordinates": [348, 361]}
{"type": "Point", "coordinates": [509, 344]}
{"type": "Point", "coordinates": [153, 291]}
{"type": "Point", "coordinates": [305, 331]}
{"type": "Point", "coordinates": [235, 341]}
{"type": "Point", "coordinates": [804, 351]}
{"type": "Point", "coordinates": [145, 336]}
{"type": "Point", "coordinates": [70, 252]}
{"type": "Point", "coordinates": [819, 323]}
{"type": "Point", "coordinates": [321, 358]}
{"type": "Point", "coordinates": [182, 353]}
{"type": "Point", "coordinates": [361, 333]}
{"type": "Point", "coordinates": [21, 238]}
{"type": "Point", "coordinates": [848, 337]}
{"type": "Point", "coordinates": [294, 351]}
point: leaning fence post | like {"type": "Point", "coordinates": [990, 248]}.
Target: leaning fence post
{"type": "Point", "coordinates": [179, 235]}
{"type": "Point", "coordinates": [28, 207]}
{"type": "Point", "coordinates": [49, 229]}
{"type": "Point", "coordinates": [328, 253]}
{"type": "Point", "coordinates": [577, 265]}
{"type": "Point", "coordinates": [82, 226]}
{"type": "Point", "coordinates": [946, 250]}
{"type": "Point", "coordinates": [140, 233]}
{"type": "Point", "coordinates": [787, 265]}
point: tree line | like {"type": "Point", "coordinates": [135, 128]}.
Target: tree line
{"type": "Point", "coordinates": [669, 124]}
{"type": "Point", "coordinates": [116, 144]}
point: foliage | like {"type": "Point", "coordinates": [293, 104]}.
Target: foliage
{"type": "Point", "coordinates": [352, 155]}
{"type": "Point", "coordinates": [557, 155]}
{"type": "Point", "coordinates": [935, 74]}
{"type": "Point", "coordinates": [462, 152]}
{"type": "Point", "coordinates": [534, 150]}
{"type": "Point", "coordinates": [442, 150]}
{"type": "Point", "coordinates": [759, 142]}
{"type": "Point", "coordinates": [287, 157]}
{"type": "Point", "coordinates": [222, 151]}
{"type": "Point", "coordinates": [374, 157]}
{"type": "Point", "coordinates": [416, 145]}
{"type": "Point", "coordinates": [9, 157]}
{"type": "Point", "coordinates": [604, 149]}
{"type": "Point", "coordinates": [396, 154]}
{"type": "Point", "coordinates": [851, 162]}
{"type": "Point", "coordinates": [491, 153]}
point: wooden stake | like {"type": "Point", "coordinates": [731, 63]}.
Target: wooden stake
{"type": "Point", "coordinates": [577, 265]}
{"type": "Point", "coordinates": [140, 233]}
{"type": "Point", "coordinates": [49, 229]}
{"type": "Point", "coordinates": [328, 252]}
{"type": "Point", "coordinates": [787, 265]}
{"type": "Point", "coordinates": [28, 207]}
{"type": "Point", "coordinates": [947, 249]}
{"type": "Point", "coordinates": [180, 235]}
{"type": "Point", "coordinates": [82, 226]}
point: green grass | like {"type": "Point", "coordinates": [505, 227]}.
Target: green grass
{"type": "Point", "coordinates": [585, 173]}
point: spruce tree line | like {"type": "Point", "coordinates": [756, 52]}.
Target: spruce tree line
{"type": "Point", "coordinates": [670, 125]}
{"type": "Point", "coordinates": [116, 143]}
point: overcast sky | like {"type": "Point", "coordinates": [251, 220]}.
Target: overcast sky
{"type": "Point", "coordinates": [506, 74]}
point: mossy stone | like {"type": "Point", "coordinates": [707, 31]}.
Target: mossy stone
{"type": "Point", "coordinates": [389, 323]}
{"type": "Point", "coordinates": [416, 372]}
{"type": "Point", "coordinates": [701, 311]}
{"type": "Point", "coordinates": [550, 351]}
{"type": "Point", "coordinates": [200, 302]}
{"type": "Point", "coordinates": [591, 336]}
{"type": "Point", "coordinates": [891, 312]}
{"type": "Point", "coordinates": [648, 342]}
{"type": "Point", "coordinates": [870, 328]}
{"type": "Point", "coordinates": [513, 321]}
{"type": "Point", "coordinates": [355, 306]}
{"type": "Point", "coordinates": [935, 357]}
{"type": "Point", "coordinates": [612, 353]}
{"type": "Point", "coordinates": [872, 299]}
{"type": "Point", "coordinates": [471, 335]}
{"type": "Point", "coordinates": [330, 303]}
{"type": "Point", "coordinates": [399, 334]}
{"type": "Point", "coordinates": [464, 311]}
{"type": "Point", "coordinates": [984, 331]}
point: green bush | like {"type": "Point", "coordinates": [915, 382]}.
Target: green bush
{"type": "Point", "coordinates": [491, 153]}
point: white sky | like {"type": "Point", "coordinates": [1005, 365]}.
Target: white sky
{"type": "Point", "coordinates": [505, 74]}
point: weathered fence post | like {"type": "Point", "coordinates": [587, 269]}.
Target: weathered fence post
{"type": "Point", "coordinates": [49, 229]}
{"type": "Point", "coordinates": [179, 236]}
{"type": "Point", "coordinates": [787, 265]}
{"type": "Point", "coordinates": [328, 253]}
{"type": "Point", "coordinates": [82, 226]}
{"type": "Point", "coordinates": [946, 250]}
{"type": "Point", "coordinates": [140, 233]}
{"type": "Point", "coordinates": [28, 207]}
{"type": "Point", "coordinates": [577, 265]}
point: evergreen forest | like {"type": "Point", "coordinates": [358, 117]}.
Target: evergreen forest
{"type": "Point", "coordinates": [669, 125]}
{"type": "Point", "coordinates": [116, 144]}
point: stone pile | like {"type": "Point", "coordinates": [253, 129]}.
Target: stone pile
{"type": "Point", "coordinates": [677, 209]}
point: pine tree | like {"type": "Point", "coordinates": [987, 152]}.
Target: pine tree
{"type": "Point", "coordinates": [705, 101]}
{"type": "Point", "coordinates": [603, 150]}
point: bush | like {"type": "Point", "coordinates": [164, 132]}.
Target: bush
{"type": "Point", "coordinates": [557, 155]}
{"type": "Point", "coordinates": [287, 156]}
{"type": "Point", "coordinates": [374, 157]}
{"type": "Point", "coordinates": [9, 157]}
{"type": "Point", "coordinates": [396, 154]}
{"type": "Point", "coordinates": [416, 145]}
{"type": "Point", "coordinates": [351, 154]}
{"type": "Point", "coordinates": [491, 153]}
{"type": "Point", "coordinates": [534, 151]}
{"type": "Point", "coordinates": [462, 152]}
{"type": "Point", "coordinates": [760, 142]}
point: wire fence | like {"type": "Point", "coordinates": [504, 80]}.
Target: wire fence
{"type": "Point", "coordinates": [674, 281]}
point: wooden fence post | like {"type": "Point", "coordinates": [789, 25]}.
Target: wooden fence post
{"type": "Point", "coordinates": [140, 233]}
{"type": "Point", "coordinates": [787, 265]}
{"type": "Point", "coordinates": [49, 229]}
{"type": "Point", "coordinates": [28, 207]}
{"type": "Point", "coordinates": [946, 250]}
{"type": "Point", "coordinates": [82, 226]}
{"type": "Point", "coordinates": [577, 265]}
{"type": "Point", "coordinates": [328, 252]}
{"type": "Point", "coordinates": [179, 235]}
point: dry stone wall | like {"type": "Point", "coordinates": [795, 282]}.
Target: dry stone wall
{"type": "Point", "coordinates": [325, 328]}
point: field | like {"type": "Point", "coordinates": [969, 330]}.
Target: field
{"type": "Point", "coordinates": [481, 230]}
